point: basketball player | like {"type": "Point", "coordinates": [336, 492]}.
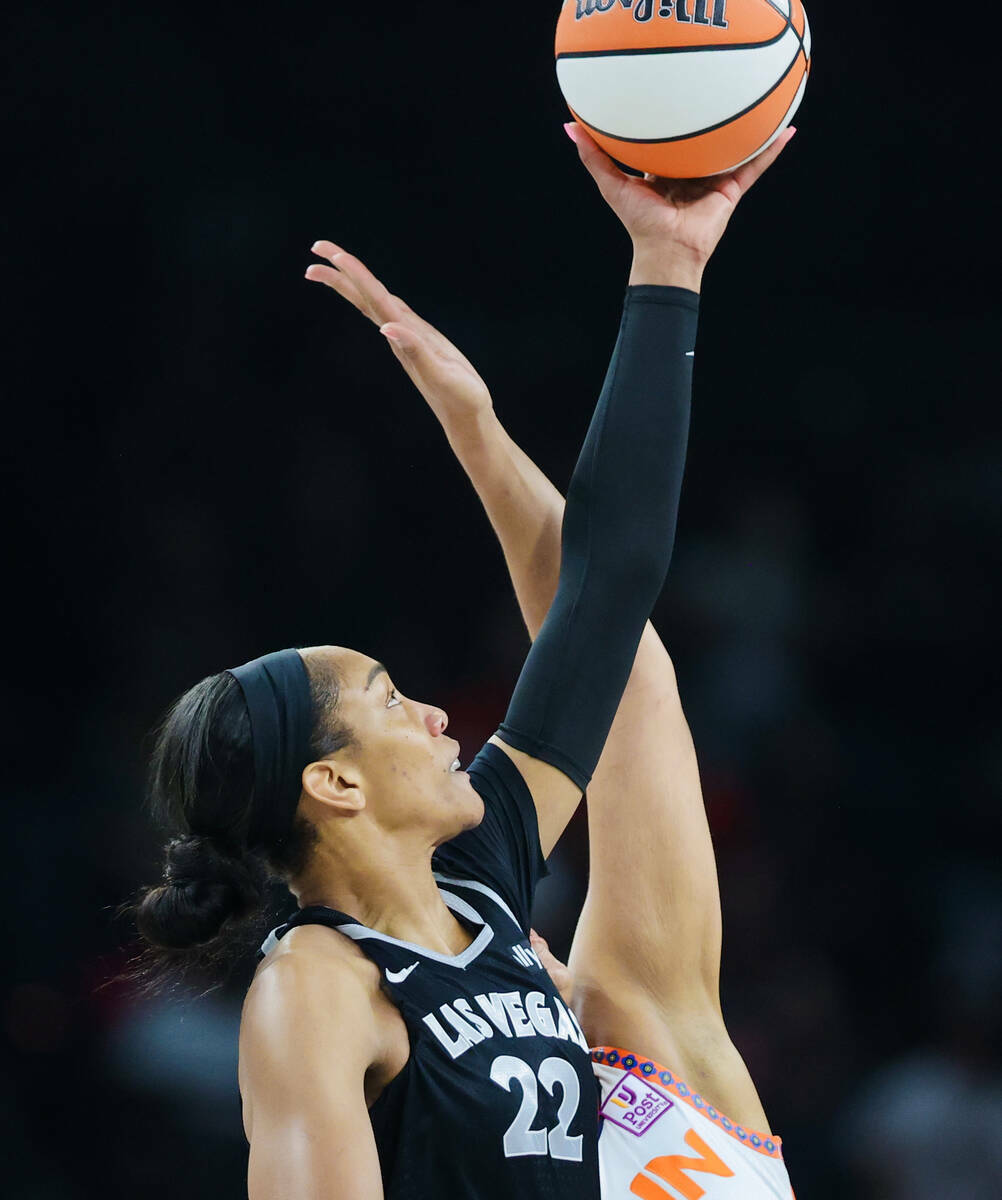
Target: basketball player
{"type": "Point", "coordinates": [679, 1109]}
{"type": "Point", "coordinates": [416, 1047]}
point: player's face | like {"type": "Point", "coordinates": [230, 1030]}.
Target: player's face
{"type": "Point", "coordinates": [407, 762]}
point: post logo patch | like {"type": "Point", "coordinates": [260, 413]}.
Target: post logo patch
{"type": "Point", "coordinates": [634, 1104]}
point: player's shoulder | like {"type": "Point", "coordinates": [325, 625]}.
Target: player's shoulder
{"type": "Point", "coordinates": [314, 984]}
{"type": "Point", "coordinates": [316, 1032]}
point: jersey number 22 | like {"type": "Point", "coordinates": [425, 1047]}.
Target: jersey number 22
{"type": "Point", "coordinates": [520, 1137]}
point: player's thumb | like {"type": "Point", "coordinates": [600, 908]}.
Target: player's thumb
{"type": "Point", "coordinates": [597, 163]}
{"type": "Point", "coordinates": [414, 355]}
{"type": "Point", "coordinates": [403, 341]}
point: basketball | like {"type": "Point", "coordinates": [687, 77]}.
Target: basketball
{"type": "Point", "coordinates": [683, 88]}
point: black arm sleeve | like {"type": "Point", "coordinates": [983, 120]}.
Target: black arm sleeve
{"type": "Point", "coordinates": [618, 533]}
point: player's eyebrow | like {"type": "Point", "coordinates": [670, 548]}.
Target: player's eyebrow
{"type": "Point", "coordinates": [377, 669]}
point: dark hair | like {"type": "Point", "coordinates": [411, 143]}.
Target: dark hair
{"type": "Point", "coordinates": [201, 920]}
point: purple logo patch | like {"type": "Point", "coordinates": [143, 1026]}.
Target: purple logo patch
{"type": "Point", "coordinates": [635, 1105]}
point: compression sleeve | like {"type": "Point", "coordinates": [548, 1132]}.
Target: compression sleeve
{"type": "Point", "coordinates": [617, 538]}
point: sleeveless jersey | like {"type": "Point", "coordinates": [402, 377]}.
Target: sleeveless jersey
{"type": "Point", "coordinates": [497, 1099]}
{"type": "Point", "coordinates": [659, 1140]}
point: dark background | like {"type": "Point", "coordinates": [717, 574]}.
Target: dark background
{"type": "Point", "coordinates": [212, 458]}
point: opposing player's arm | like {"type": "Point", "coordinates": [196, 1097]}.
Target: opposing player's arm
{"type": "Point", "coordinates": [307, 1039]}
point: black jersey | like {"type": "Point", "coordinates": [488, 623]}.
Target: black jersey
{"type": "Point", "coordinates": [498, 1099]}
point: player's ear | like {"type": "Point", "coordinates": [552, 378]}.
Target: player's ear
{"type": "Point", "coordinates": [336, 784]}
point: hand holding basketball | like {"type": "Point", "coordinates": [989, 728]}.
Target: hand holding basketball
{"type": "Point", "coordinates": [445, 377]}
{"type": "Point", "coordinates": [678, 219]}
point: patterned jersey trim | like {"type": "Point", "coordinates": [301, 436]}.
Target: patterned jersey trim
{"type": "Point", "coordinates": [764, 1143]}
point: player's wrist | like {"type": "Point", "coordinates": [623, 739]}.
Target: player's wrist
{"type": "Point", "coordinates": [474, 433]}
{"type": "Point", "coordinates": [667, 265]}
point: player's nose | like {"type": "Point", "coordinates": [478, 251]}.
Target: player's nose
{"type": "Point", "coordinates": [436, 720]}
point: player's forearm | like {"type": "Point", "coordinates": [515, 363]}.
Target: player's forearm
{"type": "Point", "coordinates": [524, 509]}
{"type": "Point", "coordinates": [617, 536]}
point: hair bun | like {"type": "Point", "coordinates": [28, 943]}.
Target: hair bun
{"type": "Point", "coordinates": [205, 887]}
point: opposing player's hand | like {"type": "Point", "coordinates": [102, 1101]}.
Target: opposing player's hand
{"type": "Point", "coordinates": [682, 219]}
{"type": "Point", "coordinates": [448, 381]}
{"type": "Point", "coordinates": [557, 971]}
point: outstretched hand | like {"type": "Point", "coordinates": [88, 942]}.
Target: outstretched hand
{"type": "Point", "coordinates": [688, 216]}
{"type": "Point", "coordinates": [448, 381]}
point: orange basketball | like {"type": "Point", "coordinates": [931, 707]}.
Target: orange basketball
{"type": "Point", "coordinates": [683, 88]}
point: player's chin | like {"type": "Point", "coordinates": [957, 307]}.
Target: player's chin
{"type": "Point", "coordinates": [465, 813]}
{"type": "Point", "coordinates": [473, 803]}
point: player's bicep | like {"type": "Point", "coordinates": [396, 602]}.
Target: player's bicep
{"type": "Point", "coordinates": [329, 1154]}
{"type": "Point", "coordinates": [307, 1040]}
{"type": "Point", "coordinates": [650, 846]}
{"type": "Point", "coordinates": [554, 795]}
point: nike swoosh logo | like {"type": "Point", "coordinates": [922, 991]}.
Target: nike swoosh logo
{"type": "Point", "coordinates": [400, 976]}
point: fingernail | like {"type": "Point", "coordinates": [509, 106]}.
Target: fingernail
{"type": "Point", "coordinates": [387, 332]}
{"type": "Point", "coordinates": [793, 133]}
{"type": "Point", "coordinates": [314, 249]}
{"type": "Point", "coordinates": [571, 132]}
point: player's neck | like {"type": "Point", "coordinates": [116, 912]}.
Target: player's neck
{"type": "Point", "coordinates": [395, 895]}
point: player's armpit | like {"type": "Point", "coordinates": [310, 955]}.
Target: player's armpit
{"type": "Point", "coordinates": [554, 795]}
{"type": "Point", "coordinates": [692, 1041]}
{"type": "Point", "coordinates": [307, 1039]}
{"type": "Point", "coordinates": [653, 903]}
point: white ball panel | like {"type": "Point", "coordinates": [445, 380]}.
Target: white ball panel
{"type": "Point", "coordinates": [791, 113]}
{"type": "Point", "coordinates": [807, 34]}
{"type": "Point", "coordinates": [672, 95]}
{"type": "Point", "coordinates": [782, 5]}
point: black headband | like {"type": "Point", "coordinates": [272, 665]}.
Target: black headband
{"type": "Point", "coordinates": [277, 690]}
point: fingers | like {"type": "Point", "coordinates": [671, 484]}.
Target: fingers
{"type": "Point", "coordinates": [597, 163]}
{"type": "Point", "coordinates": [747, 176]}
{"type": "Point", "coordinates": [339, 282]}
{"type": "Point", "coordinates": [542, 948]}
{"type": "Point", "coordinates": [353, 280]}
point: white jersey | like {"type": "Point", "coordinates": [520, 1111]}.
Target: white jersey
{"type": "Point", "coordinates": [659, 1141]}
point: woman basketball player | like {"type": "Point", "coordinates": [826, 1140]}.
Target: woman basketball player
{"type": "Point", "coordinates": [650, 985]}
{"type": "Point", "coordinates": [417, 1047]}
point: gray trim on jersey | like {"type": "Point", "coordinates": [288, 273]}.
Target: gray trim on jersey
{"type": "Point", "coordinates": [269, 943]}
{"type": "Point", "coordinates": [481, 941]}
{"type": "Point", "coordinates": [358, 932]}
{"type": "Point", "coordinates": [478, 887]}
